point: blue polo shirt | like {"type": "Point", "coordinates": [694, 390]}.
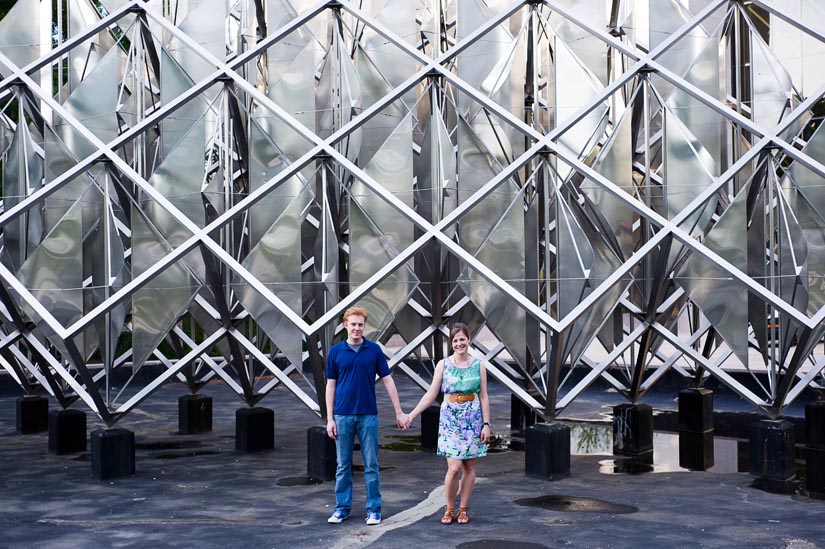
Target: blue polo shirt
{"type": "Point", "coordinates": [355, 373]}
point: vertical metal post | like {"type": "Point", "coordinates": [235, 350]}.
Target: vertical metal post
{"type": "Point", "coordinates": [107, 350]}
{"type": "Point", "coordinates": [437, 208]}
{"type": "Point", "coordinates": [46, 27]}
{"type": "Point", "coordinates": [534, 203]}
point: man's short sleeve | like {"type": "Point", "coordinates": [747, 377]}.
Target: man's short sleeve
{"type": "Point", "coordinates": [382, 368]}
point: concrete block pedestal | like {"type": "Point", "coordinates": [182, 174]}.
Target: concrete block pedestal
{"type": "Point", "coordinates": [32, 415]}
{"type": "Point", "coordinates": [67, 431]}
{"type": "Point", "coordinates": [696, 429]}
{"type": "Point", "coordinates": [632, 430]}
{"type": "Point", "coordinates": [696, 450]}
{"type": "Point", "coordinates": [772, 458]}
{"type": "Point", "coordinates": [815, 449]}
{"type": "Point", "coordinates": [113, 453]}
{"type": "Point", "coordinates": [522, 417]}
{"type": "Point", "coordinates": [254, 429]}
{"type": "Point", "coordinates": [194, 414]}
{"type": "Point", "coordinates": [321, 457]}
{"type": "Point", "coordinates": [547, 451]}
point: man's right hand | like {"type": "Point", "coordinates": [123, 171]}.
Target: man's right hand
{"type": "Point", "coordinates": [332, 429]}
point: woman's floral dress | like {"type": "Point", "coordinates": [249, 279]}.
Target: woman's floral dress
{"type": "Point", "coordinates": [459, 426]}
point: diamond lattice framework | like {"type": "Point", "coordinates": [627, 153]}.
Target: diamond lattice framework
{"type": "Point", "coordinates": [200, 197]}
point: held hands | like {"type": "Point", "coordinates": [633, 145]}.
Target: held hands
{"type": "Point", "coordinates": [403, 421]}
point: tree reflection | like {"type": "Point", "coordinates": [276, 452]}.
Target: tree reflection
{"type": "Point", "coordinates": [591, 439]}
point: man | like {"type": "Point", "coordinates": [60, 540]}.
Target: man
{"type": "Point", "coordinates": [352, 410]}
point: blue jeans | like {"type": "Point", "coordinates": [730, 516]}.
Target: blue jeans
{"type": "Point", "coordinates": [366, 427]}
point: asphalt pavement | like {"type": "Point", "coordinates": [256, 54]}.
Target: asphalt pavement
{"type": "Point", "coordinates": [198, 491]}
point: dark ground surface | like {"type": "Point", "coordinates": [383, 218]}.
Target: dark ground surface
{"type": "Point", "coordinates": [197, 491]}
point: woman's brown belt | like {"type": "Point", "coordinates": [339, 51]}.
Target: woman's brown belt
{"type": "Point", "coordinates": [461, 398]}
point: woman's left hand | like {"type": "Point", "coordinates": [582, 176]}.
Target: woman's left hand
{"type": "Point", "coordinates": [485, 433]}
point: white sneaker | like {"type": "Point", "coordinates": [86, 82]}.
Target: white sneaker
{"type": "Point", "coordinates": [373, 519]}
{"type": "Point", "coordinates": [337, 517]}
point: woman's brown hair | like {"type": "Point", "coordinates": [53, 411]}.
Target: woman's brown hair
{"type": "Point", "coordinates": [459, 327]}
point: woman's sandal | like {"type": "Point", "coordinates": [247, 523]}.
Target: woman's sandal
{"type": "Point", "coordinates": [463, 517]}
{"type": "Point", "coordinates": [448, 516]}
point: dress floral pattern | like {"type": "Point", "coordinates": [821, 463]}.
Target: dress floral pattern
{"type": "Point", "coordinates": [459, 426]}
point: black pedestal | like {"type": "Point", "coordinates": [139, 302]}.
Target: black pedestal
{"type": "Point", "coordinates": [547, 451]}
{"type": "Point", "coordinates": [632, 429]}
{"type": "Point", "coordinates": [32, 415]}
{"type": "Point", "coordinates": [815, 472]}
{"type": "Point", "coordinates": [695, 410]}
{"type": "Point", "coordinates": [522, 417]}
{"type": "Point", "coordinates": [696, 450]}
{"type": "Point", "coordinates": [772, 449]}
{"type": "Point", "coordinates": [113, 453]}
{"type": "Point", "coordinates": [696, 429]}
{"type": "Point", "coordinates": [254, 429]}
{"type": "Point", "coordinates": [321, 460]}
{"type": "Point", "coordinates": [743, 456]}
{"type": "Point", "coordinates": [67, 431]}
{"type": "Point", "coordinates": [815, 425]}
{"type": "Point", "coordinates": [429, 429]}
{"type": "Point", "coordinates": [815, 449]}
{"type": "Point", "coordinates": [194, 414]}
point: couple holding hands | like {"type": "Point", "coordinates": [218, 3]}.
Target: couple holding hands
{"type": "Point", "coordinates": [464, 424]}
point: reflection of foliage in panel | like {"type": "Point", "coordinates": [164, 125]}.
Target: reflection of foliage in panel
{"type": "Point", "coordinates": [590, 439]}
{"type": "Point", "coordinates": [5, 6]}
{"type": "Point", "coordinates": [116, 31]}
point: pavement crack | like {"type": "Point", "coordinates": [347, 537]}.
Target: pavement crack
{"type": "Point", "coordinates": [370, 534]}
{"type": "Point", "coordinates": [407, 517]}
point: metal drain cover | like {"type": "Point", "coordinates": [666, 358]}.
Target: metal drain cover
{"type": "Point", "coordinates": [576, 504]}
{"type": "Point", "coordinates": [298, 481]}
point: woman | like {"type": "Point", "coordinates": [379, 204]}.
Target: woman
{"type": "Point", "coordinates": [464, 424]}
